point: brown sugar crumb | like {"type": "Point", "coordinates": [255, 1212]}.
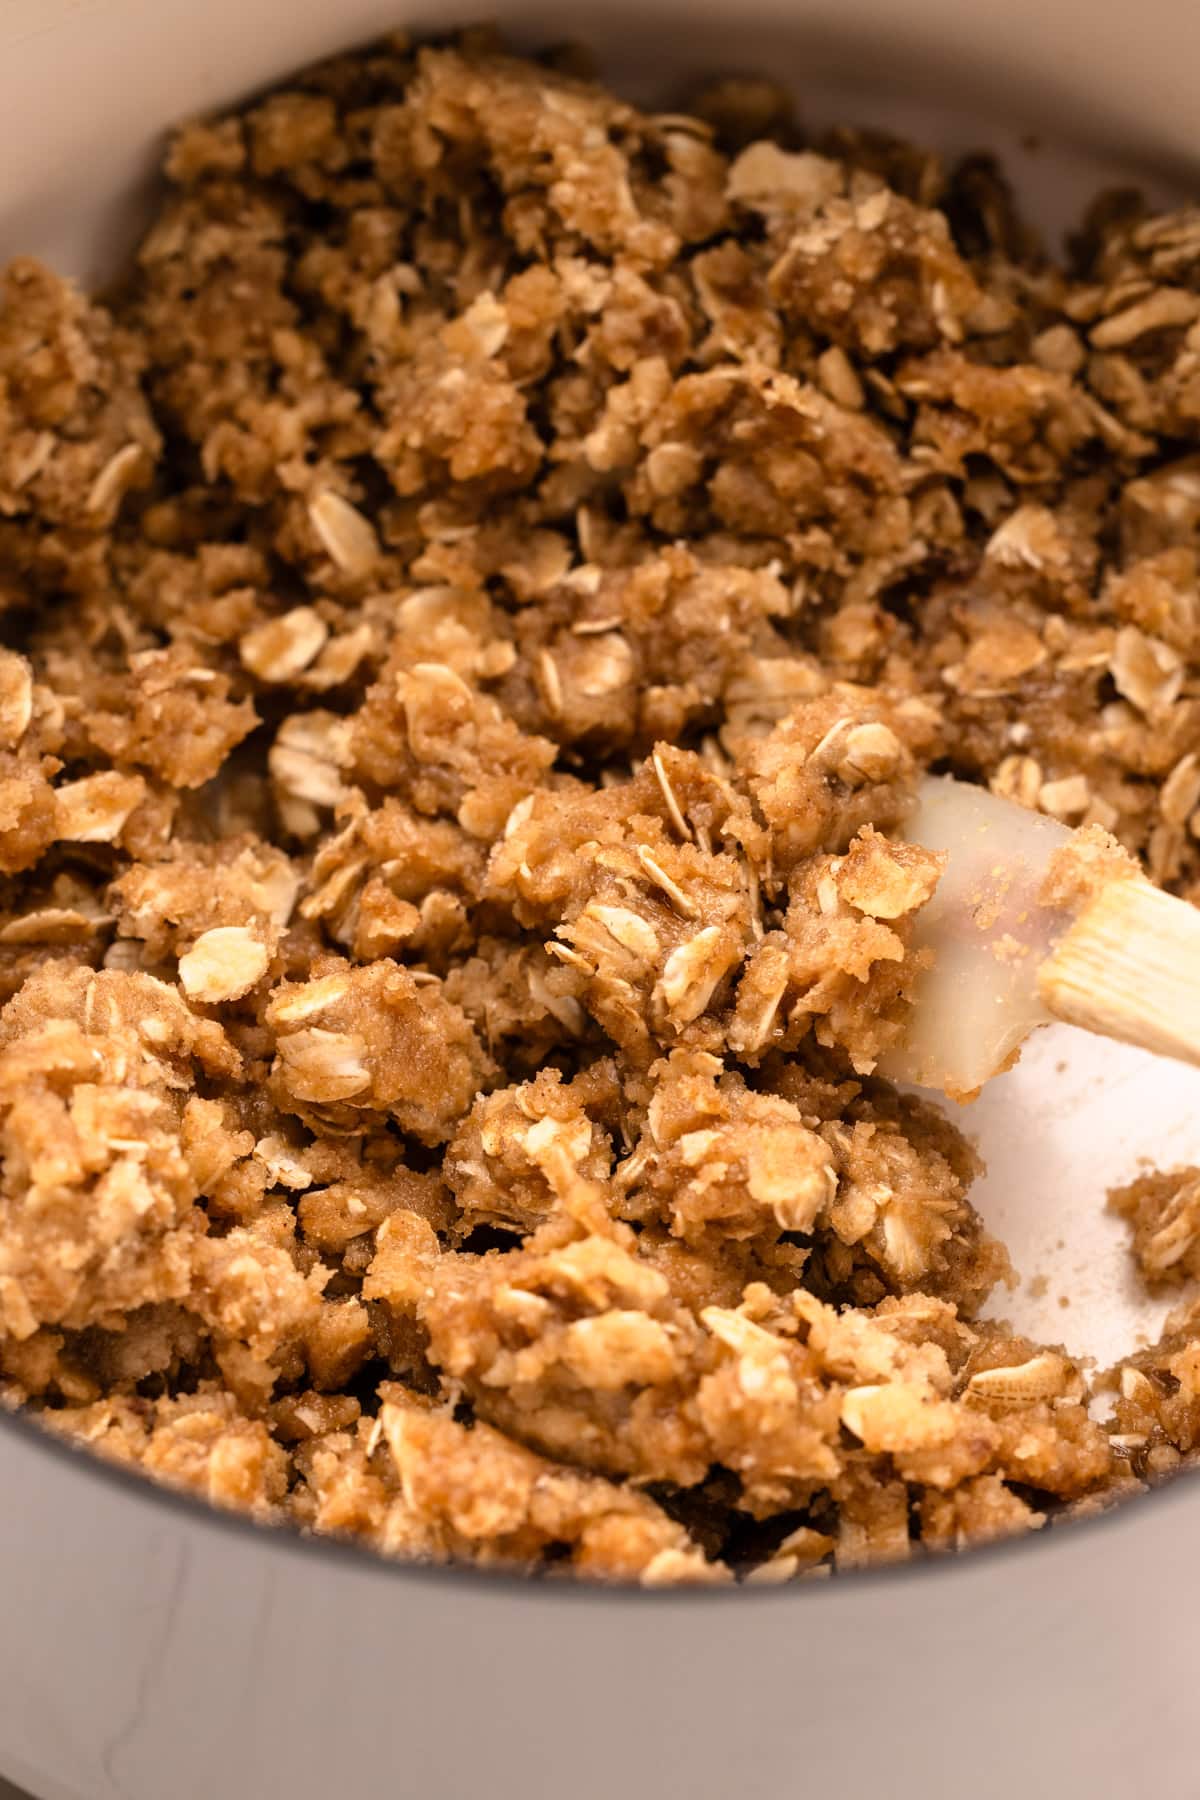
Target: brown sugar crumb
{"type": "Point", "coordinates": [1162, 1210]}
{"type": "Point", "coordinates": [477, 600]}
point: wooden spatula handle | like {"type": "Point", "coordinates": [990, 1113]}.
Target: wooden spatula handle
{"type": "Point", "coordinates": [1129, 968]}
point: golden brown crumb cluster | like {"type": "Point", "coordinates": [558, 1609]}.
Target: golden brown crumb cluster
{"type": "Point", "coordinates": [479, 596]}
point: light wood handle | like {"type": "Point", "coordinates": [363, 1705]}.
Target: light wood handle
{"type": "Point", "coordinates": [1129, 968]}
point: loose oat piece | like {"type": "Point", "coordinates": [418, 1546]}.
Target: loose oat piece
{"type": "Point", "coordinates": [478, 598]}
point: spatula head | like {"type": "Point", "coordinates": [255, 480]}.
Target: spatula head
{"type": "Point", "coordinates": [974, 1008]}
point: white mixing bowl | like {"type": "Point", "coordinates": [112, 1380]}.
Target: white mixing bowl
{"type": "Point", "coordinates": [151, 1650]}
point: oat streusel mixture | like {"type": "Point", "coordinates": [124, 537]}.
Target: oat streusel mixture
{"type": "Point", "coordinates": [478, 597]}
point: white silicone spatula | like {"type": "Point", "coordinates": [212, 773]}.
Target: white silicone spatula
{"type": "Point", "coordinates": [1123, 959]}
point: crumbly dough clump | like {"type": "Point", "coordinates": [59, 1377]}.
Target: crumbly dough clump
{"type": "Point", "coordinates": [478, 596]}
